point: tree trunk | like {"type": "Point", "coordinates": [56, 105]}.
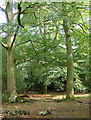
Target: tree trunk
{"type": "Point", "coordinates": [69, 89]}
{"type": "Point", "coordinates": [89, 76]}
{"type": "Point", "coordinates": [69, 86]}
{"type": "Point", "coordinates": [11, 86]}
{"type": "Point", "coordinates": [0, 78]}
{"type": "Point", "coordinates": [45, 51]}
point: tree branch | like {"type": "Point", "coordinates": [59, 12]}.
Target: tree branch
{"type": "Point", "coordinates": [22, 43]}
{"type": "Point", "coordinates": [35, 16]}
{"type": "Point", "coordinates": [72, 30]}
{"type": "Point", "coordinates": [57, 28]}
{"type": "Point", "coordinates": [5, 11]}
{"type": "Point", "coordinates": [19, 14]}
{"type": "Point", "coordinates": [4, 45]}
{"type": "Point", "coordinates": [25, 60]}
{"type": "Point", "coordinates": [32, 46]}
{"type": "Point", "coordinates": [44, 21]}
{"type": "Point", "coordinates": [82, 27]}
{"type": "Point", "coordinates": [14, 36]}
{"type": "Point", "coordinates": [83, 24]}
{"type": "Point", "coordinates": [30, 6]}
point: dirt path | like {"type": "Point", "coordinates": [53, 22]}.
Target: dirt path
{"type": "Point", "coordinates": [58, 109]}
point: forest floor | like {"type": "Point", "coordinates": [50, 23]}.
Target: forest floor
{"type": "Point", "coordinates": [48, 106]}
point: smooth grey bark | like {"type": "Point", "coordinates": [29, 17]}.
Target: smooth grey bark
{"type": "Point", "coordinates": [10, 47]}
{"type": "Point", "coordinates": [11, 86]}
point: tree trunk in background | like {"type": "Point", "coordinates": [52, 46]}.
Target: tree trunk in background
{"type": "Point", "coordinates": [69, 89]}
{"type": "Point", "coordinates": [45, 51]}
{"type": "Point", "coordinates": [11, 86]}
{"type": "Point", "coordinates": [69, 86]}
{"type": "Point", "coordinates": [89, 76]}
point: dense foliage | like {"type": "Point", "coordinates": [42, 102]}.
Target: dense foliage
{"type": "Point", "coordinates": [40, 54]}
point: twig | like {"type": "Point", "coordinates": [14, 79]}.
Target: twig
{"type": "Point", "coordinates": [30, 6]}
{"type": "Point", "coordinates": [44, 21]}
{"type": "Point", "coordinates": [22, 43]}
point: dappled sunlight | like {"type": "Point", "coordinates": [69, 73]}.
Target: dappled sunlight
{"type": "Point", "coordinates": [41, 42]}
{"type": "Point", "coordinates": [64, 96]}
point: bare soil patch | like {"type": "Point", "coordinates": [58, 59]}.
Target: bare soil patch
{"type": "Point", "coordinates": [46, 103]}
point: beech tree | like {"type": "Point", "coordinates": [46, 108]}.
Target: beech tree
{"type": "Point", "coordinates": [70, 91]}
{"type": "Point", "coordinates": [10, 48]}
{"type": "Point", "coordinates": [10, 45]}
{"type": "Point", "coordinates": [69, 86]}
